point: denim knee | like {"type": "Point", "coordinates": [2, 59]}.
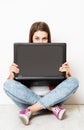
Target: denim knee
{"type": "Point", "coordinates": [7, 85]}
{"type": "Point", "coordinates": [75, 82]}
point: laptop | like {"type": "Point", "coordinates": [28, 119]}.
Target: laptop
{"type": "Point", "coordinates": [39, 63]}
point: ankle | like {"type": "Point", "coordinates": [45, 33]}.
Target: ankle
{"type": "Point", "coordinates": [31, 109]}
{"type": "Point", "coordinates": [35, 108]}
{"type": "Point", "coordinates": [50, 108]}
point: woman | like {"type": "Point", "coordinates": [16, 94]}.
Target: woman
{"type": "Point", "coordinates": [28, 98]}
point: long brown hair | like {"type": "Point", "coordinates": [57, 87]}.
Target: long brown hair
{"type": "Point", "coordinates": [39, 26]}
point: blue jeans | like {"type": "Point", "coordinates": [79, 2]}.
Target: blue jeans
{"type": "Point", "coordinates": [24, 97]}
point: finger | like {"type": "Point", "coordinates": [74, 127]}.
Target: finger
{"type": "Point", "coordinates": [14, 64]}
{"type": "Point", "coordinates": [64, 69]}
{"type": "Point", "coordinates": [14, 69]}
{"type": "Point", "coordinates": [65, 65]}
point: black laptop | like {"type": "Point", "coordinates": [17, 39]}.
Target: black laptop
{"type": "Point", "coordinates": [39, 63]}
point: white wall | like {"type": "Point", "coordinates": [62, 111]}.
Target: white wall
{"type": "Point", "coordinates": [65, 18]}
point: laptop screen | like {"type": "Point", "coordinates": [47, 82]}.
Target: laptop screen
{"type": "Point", "coordinates": [39, 60]}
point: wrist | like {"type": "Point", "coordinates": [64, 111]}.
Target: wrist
{"type": "Point", "coordinates": [11, 76]}
{"type": "Point", "coordinates": [68, 74]}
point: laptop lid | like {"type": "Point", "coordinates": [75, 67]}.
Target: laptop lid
{"type": "Point", "coordinates": [40, 61]}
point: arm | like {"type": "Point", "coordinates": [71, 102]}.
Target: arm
{"type": "Point", "coordinates": [13, 69]}
{"type": "Point", "coordinates": [65, 68]}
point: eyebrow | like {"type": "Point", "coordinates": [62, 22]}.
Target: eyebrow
{"type": "Point", "coordinates": [45, 37]}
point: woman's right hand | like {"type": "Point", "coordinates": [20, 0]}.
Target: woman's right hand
{"type": "Point", "coordinates": [13, 69]}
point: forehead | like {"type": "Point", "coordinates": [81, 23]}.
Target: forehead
{"type": "Point", "coordinates": [41, 34]}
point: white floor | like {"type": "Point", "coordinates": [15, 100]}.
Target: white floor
{"type": "Point", "coordinates": [73, 119]}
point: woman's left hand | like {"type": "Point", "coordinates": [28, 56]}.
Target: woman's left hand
{"type": "Point", "coordinates": [65, 68]}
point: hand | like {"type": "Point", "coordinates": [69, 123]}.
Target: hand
{"type": "Point", "coordinates": [65, 68]}
{"type": "Point", "coordinates": [13, 69]}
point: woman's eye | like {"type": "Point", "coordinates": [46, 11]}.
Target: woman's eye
{"type": "Point", "coordinates": [45, 38]}
{"type": "Point", "coordinates": [37, 38]}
